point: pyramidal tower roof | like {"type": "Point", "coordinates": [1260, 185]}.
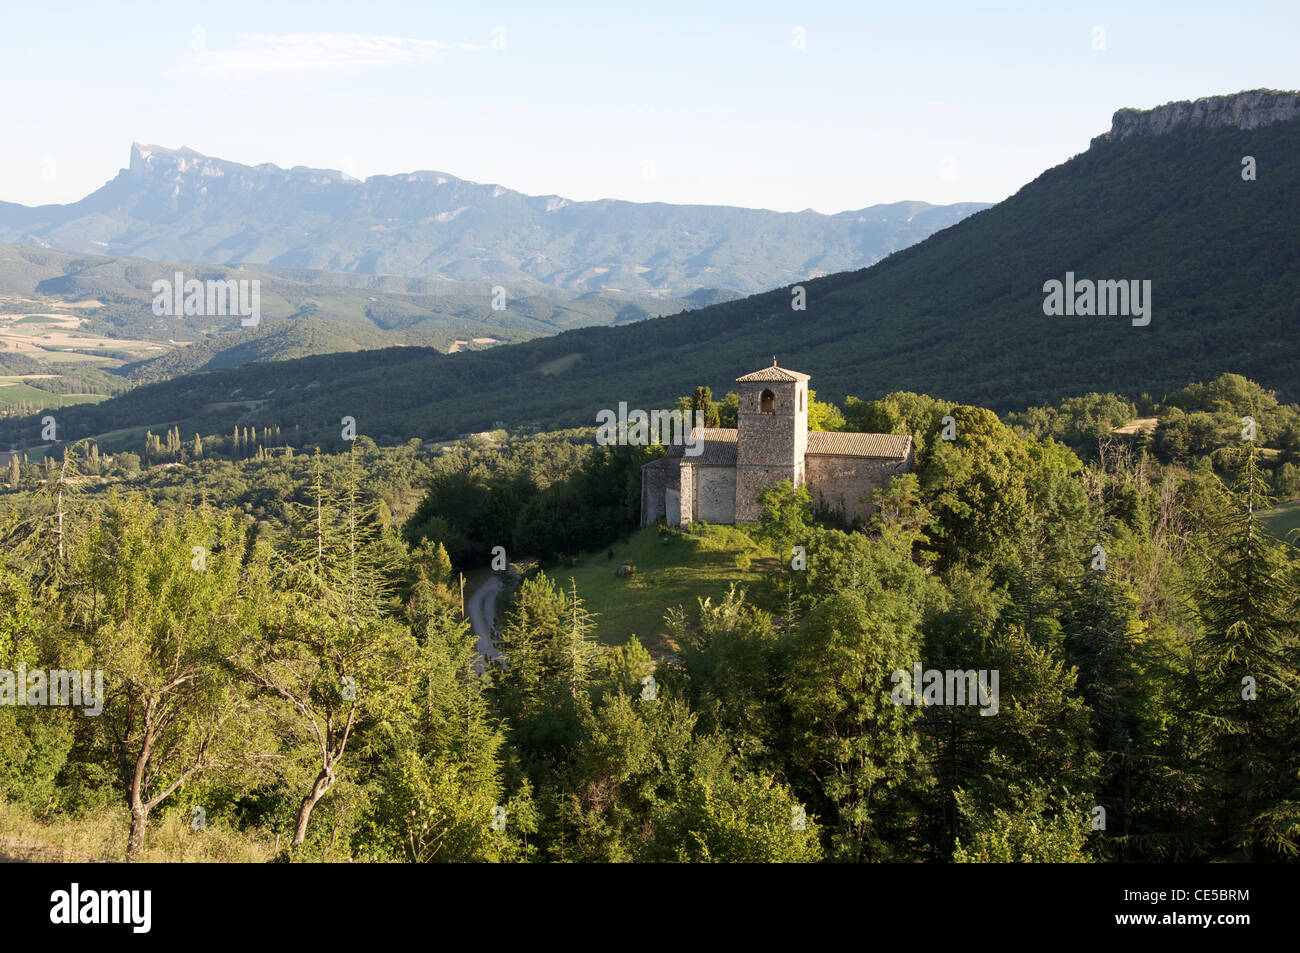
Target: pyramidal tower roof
{"type": "Point", "coordinates": [773, 373]}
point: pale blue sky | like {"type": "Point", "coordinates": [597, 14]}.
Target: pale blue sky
{"type": "Point", "coordinates": [664, 101]}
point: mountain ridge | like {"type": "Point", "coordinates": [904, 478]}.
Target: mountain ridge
{"type": "Point", "coordinates": [180, 205]}
{"type": "Point", "coordinates": [960, 315]}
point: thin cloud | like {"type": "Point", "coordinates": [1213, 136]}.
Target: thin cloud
{"type": "Point", "coordinates": [314, 52]}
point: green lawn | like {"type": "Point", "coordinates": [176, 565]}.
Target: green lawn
{"type": "Point", "coordinates": [59, 355]}
{"type": "Point", "coordinates": [20, 393]}
{"type": "Point", "coordinates": [670, 570]}
{"type": "Point", "coordinates": [1283, 520]}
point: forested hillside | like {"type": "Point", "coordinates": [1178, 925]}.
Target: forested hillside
{"type": "Point", "coordinates": [959, 314]}
{"type": "Point", "coordinates": [310, 684]}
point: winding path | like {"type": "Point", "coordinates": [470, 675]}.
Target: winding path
{"type": "Point", "coordinates": [482, 607]}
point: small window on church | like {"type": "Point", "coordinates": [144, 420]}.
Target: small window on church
{"type": "Point", "coordinates": [801, 400]}
{"type": "Point", "coordinates": [767, 402]}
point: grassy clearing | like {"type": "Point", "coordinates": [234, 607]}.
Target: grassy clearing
{"type": "Point", "coordinates": [1283, 521]}
{"type": "Point", "coordinates": [48, 319]}
{"type": "Point", "coordinates": [102, 835]}
{"type": "Point", "coordinates": [16, 392]}
{"type": "Point", "coordinates": [56, 357]}
{"type": "Point", "coordinates": [1138, 424]}
{"type": "Point", "coordinates": [671, 570]}
{"type": "Point", "coordinates": [124, 436]}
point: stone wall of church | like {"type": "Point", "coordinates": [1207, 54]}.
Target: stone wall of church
{"type": "Point", "coordinates": [672, 507]}
{"type": "Point", "coordinates": [715, 494]}
{"type": "Point", "coordinates": [655, 481]}
{"type": "Point", "coordinates": [751, 481]}
{"type": "Point", "coordinates": [686, 489]}
{"type": "Point", "coordinates": [842, 482]}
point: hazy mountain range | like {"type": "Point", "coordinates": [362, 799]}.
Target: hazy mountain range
{"type": "Point", "coordinates": [179, 205]}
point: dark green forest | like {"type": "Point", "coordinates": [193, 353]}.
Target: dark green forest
{"type": "Point", "coordinates": [283, 645]}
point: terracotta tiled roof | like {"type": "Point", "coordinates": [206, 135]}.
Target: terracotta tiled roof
{"type": "Point", "coordinates": [773, 373]}
{"type": "Point", "coordinates": [720, 434]}
{"type": "Point", "coordinates": [719, 447]}
{"type": "Point", "coordinates": [890, 446]}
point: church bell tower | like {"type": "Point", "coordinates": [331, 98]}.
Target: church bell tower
{"type": "Point", "coordinates": [771, 435]}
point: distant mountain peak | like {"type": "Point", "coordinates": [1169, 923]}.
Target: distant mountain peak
{"type": "Point", "coordinates": [182, 205]}
{"type": "Point", "coordinates": [1249, 109]}
{"type": "Point", "coordinates": [145, 155]}
{"type": "Point", "coordinates": [148, 159]}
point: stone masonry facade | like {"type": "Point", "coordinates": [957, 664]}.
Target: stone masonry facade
{"type": "Point", "coordinates": [771, 442]}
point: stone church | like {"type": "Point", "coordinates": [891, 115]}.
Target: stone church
{"type": "Point", "coordinates": [771, 442]}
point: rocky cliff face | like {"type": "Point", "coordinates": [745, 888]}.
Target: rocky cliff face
{"type": "Point", "coordinates": [1247, 110]}
{"type": "Point", "coordinates": [181, 168]}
